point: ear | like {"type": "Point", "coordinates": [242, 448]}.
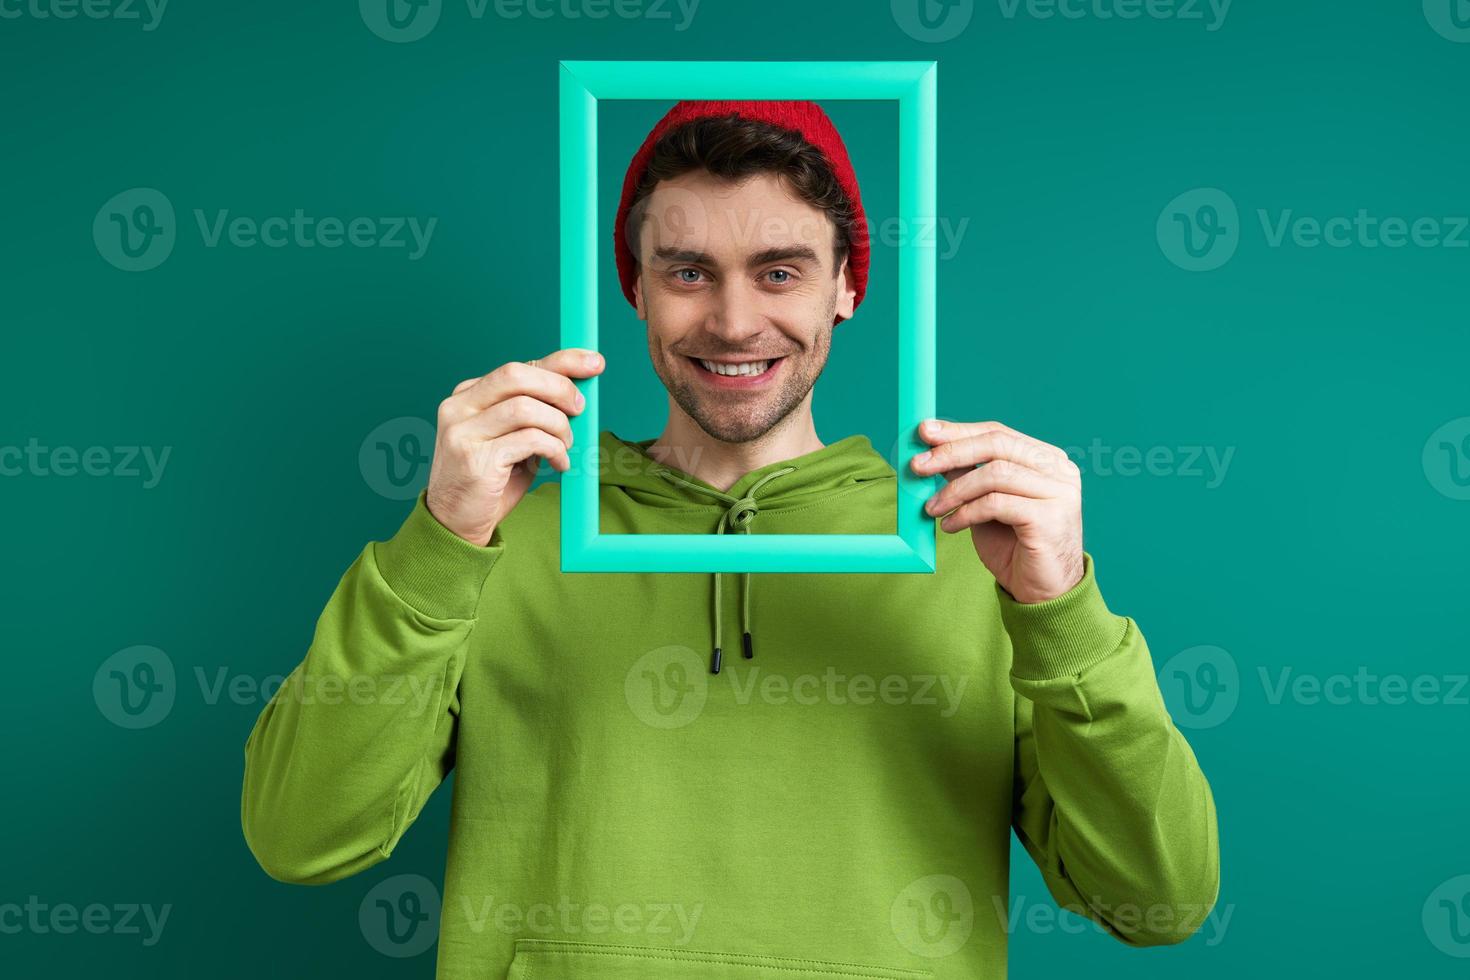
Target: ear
{"type": "Point", "coordinates": [638, 295]}
{"type": "Point", "coordinates": [846, 292]}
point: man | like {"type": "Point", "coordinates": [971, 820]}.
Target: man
{"type": "Point", "coordinates": [835, 800]}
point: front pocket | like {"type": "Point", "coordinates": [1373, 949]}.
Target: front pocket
{"type": "Point", "coordinates": [550, 959]}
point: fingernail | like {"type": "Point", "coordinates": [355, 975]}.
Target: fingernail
{"type": "Point", "coordinates": [929, 505]}
{"type": "Point", "coordinates": [581, 401]}
{"type": "Point", "coordinates": [923, 457]}
{"type": "Point", "coordinates": [930, 426]}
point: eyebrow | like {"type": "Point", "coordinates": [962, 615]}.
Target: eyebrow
{"type": "Point", "coordinates": [778, 253]}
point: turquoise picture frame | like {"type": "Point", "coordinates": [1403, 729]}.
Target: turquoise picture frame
{"type": "Point", "coordinates": [913, 84]}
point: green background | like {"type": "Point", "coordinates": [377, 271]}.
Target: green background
{"type": "Point", "coordinates": [1334, 542]}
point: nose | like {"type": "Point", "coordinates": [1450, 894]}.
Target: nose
{"type": "Point", "coordinates": [735, 314]}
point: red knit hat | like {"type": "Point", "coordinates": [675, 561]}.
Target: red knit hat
{"type": "Point", "coordinates": [807, 118]}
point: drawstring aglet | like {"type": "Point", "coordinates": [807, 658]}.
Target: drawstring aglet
{"type": "Point", "coordinates": [714, 662]}
{"type": "Point", "coordinates": [749, 645]}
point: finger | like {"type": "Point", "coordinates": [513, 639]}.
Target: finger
{"type": "Point", "coordinates": [529, 446]}
{"type": "Point", "coordinates": [571, 361]}
{"type": "Point", "coordinates": [516, 412]}
{"type": "Point", "coordinates": [1001, 475]}
{"type": "Point", "coordinates": [549, 380]}
{"type": "Point", "coordinates": [938, 431]}
{"type": "Point", "coordinates": [574, 362]}
{"type": "Point", "coordinates": [994, 444]}
{"type": "Point", "coordinates": [1002, 507]}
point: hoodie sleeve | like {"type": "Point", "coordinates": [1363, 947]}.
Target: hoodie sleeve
{"type": "Point", "coordinates": [1109, 800]}
{"type": "Point", "coordinates": [347, 751]}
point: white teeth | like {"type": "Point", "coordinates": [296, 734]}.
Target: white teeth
{"type": "Point", "coordinates": [736, 370]}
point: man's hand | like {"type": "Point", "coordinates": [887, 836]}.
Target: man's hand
{"type": "Point", "coordinates": [493, 432]}
{"type": "Point", "coordinates": [1023, 507]}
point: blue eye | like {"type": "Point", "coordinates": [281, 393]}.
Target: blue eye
{"type": "Point", "coordinates": [694, 272]}
{"type": "Point", "coordinates": [781, 272]}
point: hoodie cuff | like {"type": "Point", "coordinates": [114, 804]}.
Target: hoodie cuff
{"type": "Point", "coordinates": [1064, 635]}
{"type": "Point", "coordinates": [433, 569]}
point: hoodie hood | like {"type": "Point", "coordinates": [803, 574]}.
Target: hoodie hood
{"type": "Point", "coordinates": [804, 483]}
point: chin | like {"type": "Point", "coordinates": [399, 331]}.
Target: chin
{"type": "Point", "coordinates": [735, 435]}
{"type": "Point", "coordinates": [721, 424]}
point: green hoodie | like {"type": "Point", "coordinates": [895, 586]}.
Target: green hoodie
{"type": "Point", "coordinates": [839, 804]}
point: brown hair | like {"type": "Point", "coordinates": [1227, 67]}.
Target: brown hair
{"type": "Point", "coordinates": [732, 147]}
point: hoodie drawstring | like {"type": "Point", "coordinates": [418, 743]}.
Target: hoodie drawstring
{"type": "Point", "coordinates": [740, 513]}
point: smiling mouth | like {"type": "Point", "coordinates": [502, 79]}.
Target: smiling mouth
{"type": "Point", "coordinates": [737, 369]}
{"type": "Point", "coordinates": [737, 374]}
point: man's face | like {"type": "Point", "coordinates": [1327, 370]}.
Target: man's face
{"type": "Point", "coordinates": [738, 274]}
